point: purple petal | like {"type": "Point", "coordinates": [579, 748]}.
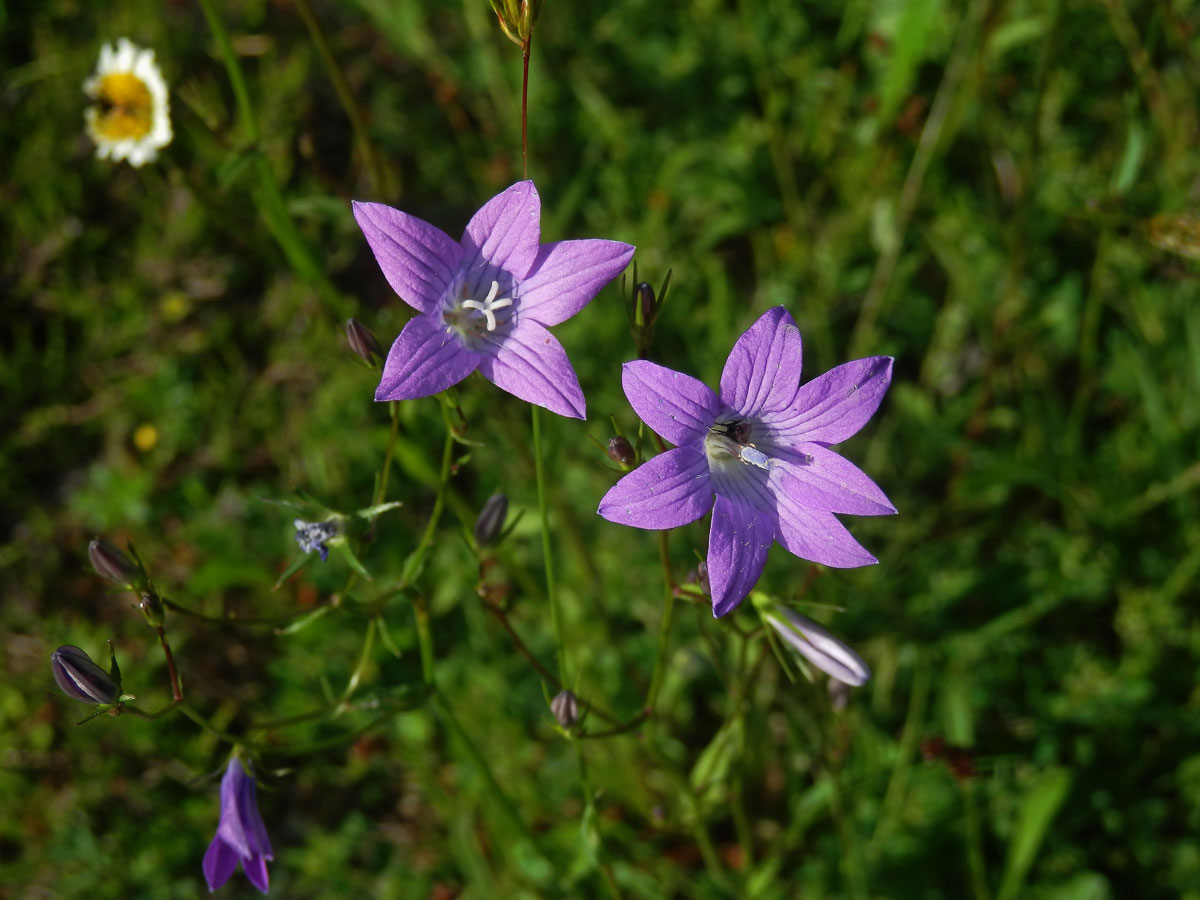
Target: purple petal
{"type": "Point", "coordinates": [219, 862]}
{"type": "Point", "coordinates": [424, 360]}
{"type": "Point", "coordinates": [231, 829]}
{"type": "Point", "coordinates": [530, 363]}
{"type": "Point", "coordinates": [418, 260]}
{"type": "Point", "coordinates": [567, 275]}
{"type": "Point", "coordinates": [251, 819]}
{"type": "Point", "coordinates": [678, 407]}
{"type": "Point", "coordinates": [816, 477]}
{"type": "Point", "coordinates": [256, 872]}
{"type": "Point", "coordinates": [670, 490]}
{"type": "Point", "coordinates": [737, 551]}
{"type": "Point", "coordinates": [504, 234]}
{"type": "Point", "coordinates": [763, 368]}
{"type": "Point", "coordinates": [833, 406]}
{"type": "Point", "coordinates": [816, 535]}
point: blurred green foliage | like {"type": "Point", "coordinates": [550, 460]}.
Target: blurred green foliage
{"type": "Point", "coordinates": [999, 194]}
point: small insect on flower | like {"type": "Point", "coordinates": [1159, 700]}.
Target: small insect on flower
{"type": "Point", "coordinates": [131, 117]}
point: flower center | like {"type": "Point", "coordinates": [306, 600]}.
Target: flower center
{"type": "Point", "coordinates": [124, 109]}
{"type": "Point", "coordinates": [729, 442]}
{"type": "Point", "coordinates": [473, 318]}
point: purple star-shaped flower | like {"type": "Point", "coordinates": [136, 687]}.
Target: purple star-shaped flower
{"type": "Point", "coordinates": [241, 835]}
{"type": "Point", "coordinates": [762, 446]}
{"type": "Point", "coordinates": [487, 300]}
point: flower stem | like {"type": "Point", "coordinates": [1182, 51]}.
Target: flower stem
{"type": "Point", "coordinates": [506, 803]}
{"type": "Point", "coordinates": [547, 549]}
{"type": "Point", "coordinates": [525, 104]}
{"type": "Point", "coordinates": [424, 637]}
{"type": "Point", "coordinates": [664, 628]}
{"type": "Point", "coordinates": [380, 176]}
{"type": "Point", "coordinates": [394, 414]}
{"type": "Point", "coordinates": [268, 197]}
{"type": "Point", "coordinates": [416, 559]}
{"type": "Point", "coordinates": [176, 688]}
{"type": "Point", "coordinates": [364, 659]}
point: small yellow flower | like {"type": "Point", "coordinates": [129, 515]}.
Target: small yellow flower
{"type": "Point", "coordinates": [145, 437]}
{"type": "Point", "coordinates": [131, 118]}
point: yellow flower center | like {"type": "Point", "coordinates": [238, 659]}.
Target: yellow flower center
{"type": "Point", "coordinates": [124, 108]}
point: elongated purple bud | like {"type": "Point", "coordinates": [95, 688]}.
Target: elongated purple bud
{"type": "Point", "coordinates": [363, 342]}
{"type": "Point", "coordinates": [646, 304]}
{"type": "Point", "coordinates": [81, 678]}
{"type": "Point", "coordinates": [491, 520]}
{"type": "Point", "coordinates": [111, 563]}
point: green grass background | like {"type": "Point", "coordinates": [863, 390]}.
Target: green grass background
{"type": "Point", "coordinates": [968, 187]}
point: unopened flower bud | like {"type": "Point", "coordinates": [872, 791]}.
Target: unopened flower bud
{"type": "Point", "coordinates": [646, 306]}
{"type": "Point", "coordinates": [566, 709]}
{"type": "Point", "coordinates": [517, 18]}
{"type": "Point", "coordinates": [816, 644]}
{"type": "Point", "coordinates": [111, 563]}
{"type": "Point", "coordinates": [621, 452]}
{"type": "Point", "coordinates": [702, 578]}
{"type": "Point", "coordinates": [491, 520]}
{"type": "Point", "coordinates": [81, 678]}
{"type": "Point", "coordinates": [363, 342]}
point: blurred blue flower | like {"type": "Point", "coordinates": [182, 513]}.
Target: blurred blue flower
{"type": "Point", "coordinates": [241, 835]}
{"type": "Point", "coordinates": [313, 535]}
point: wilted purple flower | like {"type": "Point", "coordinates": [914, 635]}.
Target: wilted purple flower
{"type": "Point", "coordinates": [816, 644]}
{"type": "Point", "coordinates": [762, 446]}
{"type": "Point", "coordinates": [81, 678]}
{"type": "Point", "coordinates": [487, 300]}
{"type": "Point", "coordinates": [241, 835]}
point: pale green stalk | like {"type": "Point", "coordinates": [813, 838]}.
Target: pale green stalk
{"type": "Point", "coordinates": [547, 548]}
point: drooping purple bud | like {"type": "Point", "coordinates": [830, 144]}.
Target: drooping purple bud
{"type": "Point", "coordinates": [111, 563]}
{"type": "Point", "coordinates": [566, 709]}
{"type": "Point", "coordinates": [81, 678]}
{"type": "Point", "coordinates": [363, 342]}
{"type": "Point", "coordinates": [621, 452]}
{"type": "Point", "coordinates": [491, 520]}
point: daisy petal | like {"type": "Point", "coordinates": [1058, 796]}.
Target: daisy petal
{"type": "Point", "coordinates": [763, 368]}
{"type": "Point", "coordinates": [220, 860]}
{"type": "Point", "coordinates": [668, 491]}
{"type": "Point", "coordinates": [418, 260]}
{"type": "Point", "coordinates": [817, 535]}
{"type": "Point", "coordinates": [567, 275]}
{"type": "Point", "coordinates": [816, 477]}
{"type": "Point", "coordinates": [530, 363]}
{"type": "Point", "coordinates": [503, 234]}
{"type": "Point", "coordinates": [738, 542]}
{"type": "Point", "coordinates": [678, 407]}
{"type": "Point", "coordinates": [833, 406]}
{"type": "Point", "coordinates": [424, 360]}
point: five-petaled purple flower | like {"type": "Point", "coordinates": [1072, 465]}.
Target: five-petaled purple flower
{"type": "Point", "coordinates": [762, 446]}
{"type": "Point", "coordinates": [241, 836]}
{"type": "Point", "coordinates": [486, 301]}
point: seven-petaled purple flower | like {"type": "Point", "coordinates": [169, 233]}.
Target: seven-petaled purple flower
{"type": "Point", "coordinates": [241, 836]}
{"type": "Point", "coordinates": [487, 300]}
{"type": "Point", "coordinates": [762, 446]}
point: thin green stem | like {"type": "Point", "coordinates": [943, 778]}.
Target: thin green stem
{"type": "Point", "coordinates": [176, 688]}
{"type": "Point", "coordinates": [525, 104]}
{"type": "Point", "coordinates": [481, 763]}
{"type": "Point", "coordinates": [416, 559]}
{"type": "Point", "coordinates": [424, 637]}
{"type": "Point", "coordinates": [379, 175]}
{"type": "Point", "coordinates": [547, 547]}
{"type": "Point", "coordinates": [974, 840]}
{"type": "Point", "coordinates": [394, 414]}
{"type": "Point", "coordinates": [364, 660]}
{"type": "Point", "coordinates": [268, 196]}
{"type": "Point", "coordinates": [664, 626]}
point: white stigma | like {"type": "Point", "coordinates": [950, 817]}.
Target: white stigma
{"type": "Point", "coordinates": [489, 305]}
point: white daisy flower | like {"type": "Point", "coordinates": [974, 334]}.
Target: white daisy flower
{"type": "Point", "coordinates": [131, 118]}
